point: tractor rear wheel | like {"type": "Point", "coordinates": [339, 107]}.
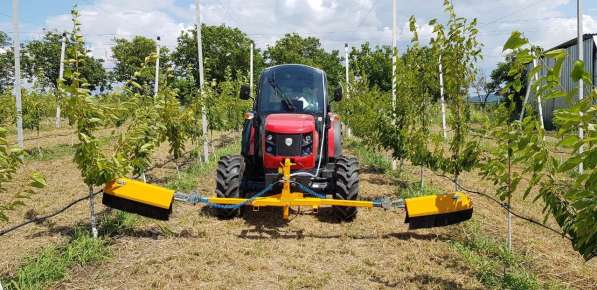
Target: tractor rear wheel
{"type": "Point", "coordinates": [228, 183]}
{"type": "Point", "coordinates": [347, 186]}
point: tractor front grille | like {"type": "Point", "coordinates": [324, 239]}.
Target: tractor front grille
{"type": "Point", "coordinates": [283, 149]}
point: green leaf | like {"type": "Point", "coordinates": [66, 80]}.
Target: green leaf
{"type": "Point", "coordinates": [569, 141]}
{"type": "Point", "coordinates": [577, 70]}
{"type": "Point", "coordinates": [557, 54]}
{"type": "Point", "coordinates": [570, 163]}
{"type": "Point", "coordinates": [38, 180]}
{"type": "Point", "coordinates": [515, 41]}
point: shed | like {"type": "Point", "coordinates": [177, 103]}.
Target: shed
{"type": "Point", "coordinates": [590, 59]}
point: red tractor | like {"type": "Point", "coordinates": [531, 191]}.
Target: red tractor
{"type": "Point", "coordinates": [291, 118]}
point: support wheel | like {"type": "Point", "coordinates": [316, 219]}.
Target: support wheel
{"type": "Point", "coordinates": [228, 183]}
{"type": "Point", "coordinates": [347, 186]}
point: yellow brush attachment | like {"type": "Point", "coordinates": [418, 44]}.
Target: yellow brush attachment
{"type": "Point", "coordinates": [139, 197]}
{"type": "Point", "coordinates": [437, 210]}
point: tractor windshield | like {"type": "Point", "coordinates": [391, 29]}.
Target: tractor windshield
{"type": "Point", "coordinates": [291, 89]}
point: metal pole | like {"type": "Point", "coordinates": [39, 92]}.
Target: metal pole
{"type": "Point", "coordinates": [157, 70]}
{"type": "Point", "coordinates": [251, 71]}
{"type": "Point", "coordinates": [581, 50]}
{"type": "Point", "coordinates": [17, 81]}
{"type": "Point", "coordinates": [201, 81]}
{"type": "Point", "coordinates": [442, 99]}
{"type": "Point", "coordinates": [60, 77]}
{"type": "Point", "coordinates": [394, 56]}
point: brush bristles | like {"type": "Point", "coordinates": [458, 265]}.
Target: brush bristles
{"type": "Point", "coordinates": [136, 207]}
{"type": "Point", "coordinates": [439, 220]}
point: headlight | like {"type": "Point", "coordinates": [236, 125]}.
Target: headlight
{"type": "Point", "coordinates": [269, 137]}
{"type": "Point", "coordinates": [308, 139]}
{"type": "Point", "coordinates": [307, 150]}
{"type": "Point", "coordinates": [269, 148]}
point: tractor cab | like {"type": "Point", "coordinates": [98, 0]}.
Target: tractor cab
{"type": "Point", "coordinates": [291, 119]}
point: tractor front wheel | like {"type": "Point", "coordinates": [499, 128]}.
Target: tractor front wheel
{"type": "Point", "coordinates": [347, 186]}
{"type": "Point", "coordinates": [228, 183]}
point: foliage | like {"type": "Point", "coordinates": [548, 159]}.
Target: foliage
{"type": "Point", "coordinates": [224, 108]}
{"type": "Point", "coordinates": [405, 128]}
{"type": "Point", "coordinates": [225, 52]}
{"type": "Point", "coordinates": [6, 63]}
{"type": "Point", "coordinates": [130, 57]}
{"type": "Point", "coordinates": [7, 109]}
{"type": "Point", "coordinates": [362, 110]}
{"type": "Point", "coordinates": [500, 78]}
{"type": "Point", "coordinates": [35, 108]}
{"type": "Point", "coordinates": [292, 48]}
{"type": "Point", "coordinates": [10, 160]}
{"type": "Point", "coordinates": [87, 116]}
{"type": "Point", "coordinates": [42, 63]}
{"type": "Point", "coordinates": [570, 200]}
{"type": "Point", "coordinates": [373, 63]}
{"type": "Point", "coordinates": [459, 51]}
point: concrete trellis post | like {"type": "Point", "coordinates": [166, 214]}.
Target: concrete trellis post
{"type": "Point", "coordinates": [579, 18]}
{"type": "Point", "coordinates": [201, 83]}
{"type": "Point", "coordinates": [17, 81]}
{"type": "Point", "coordinates": [60, 77]}
{"type": "Point", "coordinates": [442, 99]}
{"type": "Point", "coordinates": [394, 60]}
{"type": "Point", "coordinates": [156, 84]}
{"type": "Point", "coordinates": [93, 219]}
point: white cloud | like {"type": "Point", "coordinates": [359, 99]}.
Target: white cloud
{"type": "Point", "coordinates": [335, 22]}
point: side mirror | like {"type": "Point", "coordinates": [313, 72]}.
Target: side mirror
{"type": "Point", "coordinates": [245, 92]}
{"type": "Point", "coordinates": [338, 94]}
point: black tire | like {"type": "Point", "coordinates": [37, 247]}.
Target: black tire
{"type": "Point", "coordinates": [228, 183]}
{"type": "Point", "coordinates": [347, 186]}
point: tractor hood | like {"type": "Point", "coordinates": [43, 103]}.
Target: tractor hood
{"type": "Point", "coordinates": [290, 123]}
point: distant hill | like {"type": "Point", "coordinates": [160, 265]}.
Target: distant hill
{"type": "Point", "coordinates": [491, 99]}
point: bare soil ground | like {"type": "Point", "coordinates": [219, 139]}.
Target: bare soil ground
{"type": "Point", "coordinates": [195, 250]}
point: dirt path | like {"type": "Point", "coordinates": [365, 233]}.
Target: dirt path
{"type": "Point", "coordinates": [260, 251]}
{"type": "Point", "coordinates": [195, 250]}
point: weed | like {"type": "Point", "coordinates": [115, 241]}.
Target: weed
{"type": "Point", "coordinates": [119, 222]}
{"type": "Point", "coordinates": [415, 189]}
{"type": "Point", "coordinates": [493, 265]}
{"type": "Point", "coordinates": [50, 153]}
{"type": "Point", "coordinates": [52, 263]}
{"type": "Point", "coordinates": [368, 157]}
{"type": "Point", "coordinates": [187, 179]}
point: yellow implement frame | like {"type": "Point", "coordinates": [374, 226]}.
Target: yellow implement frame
{"type": "Point", "coordinates": [154, 201]}
{"type": "Point", "coordinates": [286, 198]}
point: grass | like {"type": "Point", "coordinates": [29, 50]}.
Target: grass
{"type": "Point", "coordinates": [53, 264]}
{"type": "Point", "coordinates": [187, 179]}
{"type": "Point", "coordinates": [367, 157]}
{"type": "Point", "coordinates": [489, 260]}
{"type": "Point", "coordinates": [57, 151]}
{"type": "Point", "coordinates": [119, 222]}
{"type": "Point", "coordinates": [493, 265]}
{"type": "Point", "coordinates": [50, 153]}
{"type": "Point", "coordinates": [415, 189]}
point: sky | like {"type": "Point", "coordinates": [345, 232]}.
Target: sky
{"type": "Point", "coordinates": [335, 22]}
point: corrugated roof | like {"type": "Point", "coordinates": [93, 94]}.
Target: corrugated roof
{"type": "Point", "coordinates": [573, 41]}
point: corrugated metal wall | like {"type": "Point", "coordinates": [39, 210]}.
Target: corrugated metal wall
{"type": "Point", "coordinates": [590, 58]}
